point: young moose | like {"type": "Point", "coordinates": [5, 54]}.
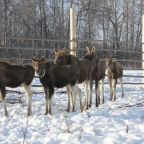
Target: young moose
{"type": "Point", "coordinates": [98, 76]}
{"type": "Point", "coordinates": [114, 72]}
{"type": "Point", "coordinates": [52, 75]}
{"type": "Point", "coordinates": [62, 58]}
{"type": "Point", "coordinates": [86, 66]}
{"type": "Point", "coordinates": [14, 76]}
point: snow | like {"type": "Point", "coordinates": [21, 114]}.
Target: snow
{"type": "Point", "coordinates": [119, 122]}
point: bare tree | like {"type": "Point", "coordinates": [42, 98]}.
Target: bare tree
{"type": "Point", "coordinates": [107, 20]}
{"type": "Point", "coordinates": [5, 20]}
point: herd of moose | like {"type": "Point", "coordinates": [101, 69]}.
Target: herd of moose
{"type": "Point", "coordinates": [65, 71]}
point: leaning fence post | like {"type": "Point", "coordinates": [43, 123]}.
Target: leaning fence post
{"type": "Point", "coordinates": [73, 44]}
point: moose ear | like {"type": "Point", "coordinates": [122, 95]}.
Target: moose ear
{"type": "Point", "coordinates": [87, 49]}
{"type": "Point", "coordinates": [110, 59]}
{"type": "Point", "coordinates": [93, 49]}
{"type": "Point", "coordinates": [56, 52]}
{"type": "Point", "coordinates": [106, 58]}
{"type": "Point", "coordinates": [64, 49]}
{"type": "Point", "coordinates": [33, 59]}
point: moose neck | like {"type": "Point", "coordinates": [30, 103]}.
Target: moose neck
{"type": "Point", "coordinates": [90, 58]}
{"type": "Point", "coordinates": [42, 74]}
{"type": "Point", "coordinates": [42, 71]}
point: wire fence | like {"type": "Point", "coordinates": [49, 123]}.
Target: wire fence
{"type": "Point", "coordinates": [21, 51]}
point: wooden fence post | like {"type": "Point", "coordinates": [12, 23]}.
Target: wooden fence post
{"type": "Point", "coordinates": [73, 43]}
{"type": "Point", "coordinates": [143, 43]}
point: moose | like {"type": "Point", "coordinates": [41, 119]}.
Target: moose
{"type": "Point", "coordinates": [62, 58]}
{"type": "Point", "coordinates": [52, 75]}
{"type": "Point", "coordinates": [86, 66]}
{"type": "Point", "coordinates": [114, 72]}
{"type": "Point", "coordinates": [14, 76]}
{"type": "Point", "coordinates": [98, 76]}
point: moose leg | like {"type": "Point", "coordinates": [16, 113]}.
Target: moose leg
{"type": "Point", "coordinates": [46, 99]}
{"type": "Point", "coordinates": [87, 96]}
{"type": "Point", "coordinates": [3, 94]}
{"type": "Point", "coordinates": [114, 81]}
{"type": "Point", "coordinates": [102, 91]}
{"type": "Point", "coordinates": [72, 96]}
{"type": "Point", "coordinates": [121, 83]}
{"type": "Point", "coordinates": [49, 104]}
{"type": "Point", "coordinates": [69, 98]}
{"type": "Point", "coordinates": [77, 92]}
{"type": "Point", "coordinates": [90, 94]}
{"type": "Point", "coordinates": [27, 89]}
{"type": "Point", "coordinates": [97, 93]}
{"type": "Point", "coordinates": [91, 87]}
{"type": "Point", "coordinates": [74, 92]}
{"type": "Point", "coordinates": [111, 92]}
{"type": "Point", "coordinates": [80, 98]}
{"type": "Point", "coordinates": [101, 88]}
{"type": "Point", "coordinates": [49, 93]}
{"type": "Point", "coordinates": [86, 92]}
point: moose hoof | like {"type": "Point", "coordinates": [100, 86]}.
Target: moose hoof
{"type": "Point", "coordinates": [45, 113]}
{"type": "Point", "coordinates": [67, 110]}
{"type": "Point", "coordinates": [73, 110]}
{"type": "Point", "coordinates": [122, 95]}
{"type": "Point", "coordinates": [28, 114]}
{"type": "Point", "coordinates": [97, 105]}
{"type": "Point", "coordinates": [85, 108]}
{"type": "Point", "coordinates": [90, 105]}
{"type": "Point", "coordinates": [6, 115]}
{"type": "Point", "coordinates": [82, 109]}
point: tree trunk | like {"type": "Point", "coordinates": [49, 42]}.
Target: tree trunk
{"type": "Point", "coordinates": [5, 22]}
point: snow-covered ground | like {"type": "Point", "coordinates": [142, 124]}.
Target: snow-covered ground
{"type": "Point", "coordinates": [119, 122]}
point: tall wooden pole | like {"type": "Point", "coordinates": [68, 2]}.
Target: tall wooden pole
{"type": "Point", "coordinates": [73, 44]}
{"type": "Point", "coordinates": [143, 42]}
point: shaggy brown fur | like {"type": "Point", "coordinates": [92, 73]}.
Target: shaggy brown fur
{"type": "Point", "coordinates": [114, 72]}
{"type": "Point", "coordinates": [53, 75]}
{"type": "Point", "coordinates": [14, 76]}
{"type": "Point", "coordinates": [86, 66]}
{"type": "Point", "coordinates": [98, 76]}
